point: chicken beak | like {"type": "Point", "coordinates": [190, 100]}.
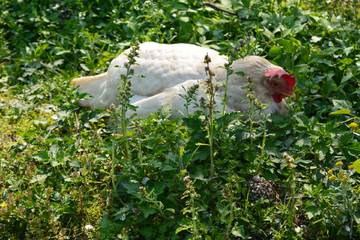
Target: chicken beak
{"type": "Point", "coordinates": [292, 96]}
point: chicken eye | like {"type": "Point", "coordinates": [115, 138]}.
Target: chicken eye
{"type": "Point", "coordinates": [275, 84]}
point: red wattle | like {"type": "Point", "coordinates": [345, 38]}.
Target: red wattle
{"type": "Point", "coordinates": [277, 98]}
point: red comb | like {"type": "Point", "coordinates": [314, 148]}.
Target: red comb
{"type": "Point", "coordinates": [289, 79]}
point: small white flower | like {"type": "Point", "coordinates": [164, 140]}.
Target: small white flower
{"type": "Point", "coordinates": [144, 181]}
{"type": "Point", "coordinates": [297, 229]}
{"type": "Point", "coordinates": [339, 18]}
{"type": "Point", "coordinates": [123, 218]}
{"type": "Point", "coordinates": [89, 227]}
{"type": "Point", "coordinates": [277, 220]}
{"type": "Point", "coordinates": [330, 28]}
{"type": "Point", "coordinates": [347, 228]}
{"type": "Point", "coordinates": [174, 15]}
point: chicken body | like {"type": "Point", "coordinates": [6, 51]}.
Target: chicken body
{"type": "Point", "coordinates": [169, 68]}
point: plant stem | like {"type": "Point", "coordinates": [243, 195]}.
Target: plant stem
{"type": "Point", "coordinates": [230, 220]}
{"type": "Point", "coordinates": [251, 123]}
{"type": "Point", "coordinates": [262, 146]}
{"type": "Point", "coordinates": [225, 93]}
{"type": "Point", "coordinates": [193, 213]}
{"type": "Point", "coordinates": [211, 139]}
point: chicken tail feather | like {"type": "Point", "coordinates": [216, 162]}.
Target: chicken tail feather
{"type": "Point", "coordinates": [96, 86]}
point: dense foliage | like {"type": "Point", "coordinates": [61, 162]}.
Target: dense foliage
{"type": "Point", "coordinates": [66, 173]}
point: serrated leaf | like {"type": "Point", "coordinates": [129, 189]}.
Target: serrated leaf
{"type": "Point", "coordinates": [312, 211]}
{"type": "Point", "coordinates": [303, 120]}
{"type": "Point", "coordinates": [193, 123]}
{"type": "Point", "coordinates": [345, 138]}
{"type": "Point", "coordinates": [322, 152]}
{"type": "Point", "coordinates": [131, 188]}
{"type": "Point", "coordinates": [105, 222]}
{"type": "Point", "coordinates": [354, 146]}
{"type": "Point", "coordinates": [156, 164]}
{"type": "Point", "coordinates": [146, 231]}
{"type": "Point", "coordinates": [165, 112]}
{"type": "Point", "coordinates": [146, 210]}
{"type": "Point", "coordinates": [159, 188]}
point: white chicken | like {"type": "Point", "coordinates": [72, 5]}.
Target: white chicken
{"type": "Point", "coordinates": [170, 67]}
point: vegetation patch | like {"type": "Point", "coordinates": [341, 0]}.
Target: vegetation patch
{"type": "Point", "coordinates": [70, 173]}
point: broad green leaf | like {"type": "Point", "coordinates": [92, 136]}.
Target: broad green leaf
{"type": "Point", "coordinates": [300, 68]}
{"type": "Point", "coordinates": [339, 112]}
{"type": "Point", "coordinates": [357, 165]}
{"type": "Point", "coordinates": [298, 28]}
{"type": "Point", "coordinates": [243, 13]}
{"type": "Point", "coordinates": [83, 66]}
{"type": "Point", "coordinates": [39, 50]}
{"type": "Point", "coordinates": [330, 51]}
{"type": "Point", "coordinates": [287, 46]}
{"type": "Point", "coordinates": [246, 3]}
{"type": "Point", "coordinates": [218, 34]}
{"type": "Point", "coordinates": [198, 175]}
{"type": "Point", "coordinates": [326, 88]}
{"type": "Point", "coordinates": [185, 26]}
{"type": "Point", "coordinates": [274, 51]}
{"type": "Point", "coordinates": [269, 34]}
{"type": "Point", "coordinates": [74, 163]}
{"type": "Point", "coordinates": [357, 216]}
{"type": "Point", "coordinates": [155, 163]}
{"type": "Point", "coordinates": [342, 104]}
{"type": "Point", "coordinates": [346, 78]}
{"type": "Point", "coordinates": [238, 231]}
{"type": "Point", "coordinates": [179, 5]}
{"type": "Point", "coordinates": [315, 39]}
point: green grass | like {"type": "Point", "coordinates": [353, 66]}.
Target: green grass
{"type": "Point", "coordinates": [64, 174]}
